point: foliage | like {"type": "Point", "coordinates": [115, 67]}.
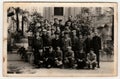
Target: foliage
{"type": "Point", "coordinates": [84, 23]}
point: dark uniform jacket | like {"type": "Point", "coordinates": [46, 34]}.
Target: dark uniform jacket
{"type": "Point", "coordinates": [56, 43]}
{"type": "Point", "coordinates": [50, 58]}
{"type": "Point", "coordinates": [46, 40]}
{"type": "Point", "coordinates": [65, 43]}
{"type": "Point", "coordinates": [59, 55]}
{"type": "Point", "coordinates": [81, 56]}
{"type": "Point", "coordinates": [41, 57]}
{"type": "Point", "coordinates": [87, 45]}
{"type": "Point", "coordinates": [69, 54]}
{"type": "Point", "coordinates": [38, 43]}
{"type": "Point", "coordinates": [56, 25]}
{"type": "Point", "coordinates": [62, 27]}
{"type": "Point", "coordinates": [67, 22]}
{"type": "Point", "coordinates": [80, 44]}
{"type": "Point", "coordinates": [74, 43]}
{"type": "Point", "coordinates": [96, 43]}
{"type": "Point", "coordinates": [50, 55]}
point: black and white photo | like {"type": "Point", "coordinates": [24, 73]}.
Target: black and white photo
{"type": "Point", "coordinates": [60, 39]}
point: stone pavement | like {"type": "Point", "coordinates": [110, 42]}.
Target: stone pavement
{"type": "Point", "coordinates": [27, 68]}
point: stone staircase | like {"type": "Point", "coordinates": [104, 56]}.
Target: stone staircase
{"type": "Point", "coordinates": [13, 56]}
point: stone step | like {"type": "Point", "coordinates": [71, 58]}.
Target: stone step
{"type": "Point", "coordinates": [13, 57]}
{"type": "Point", "coordinates": [14, 52]}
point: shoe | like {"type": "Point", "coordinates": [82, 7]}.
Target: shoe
{"type": "Point", "coordinates": [49, 66]}
{"type": "Point", "coordinates": [93, 68]}
{"type": "Point", "coordinates": [98, 67]}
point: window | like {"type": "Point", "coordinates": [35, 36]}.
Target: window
{"type": "Point", "coordinates": [58, 11]}
{"type": "Point", "coordinates": [85, 10]}
{"type": "Point", "coordinates": [98, 10]}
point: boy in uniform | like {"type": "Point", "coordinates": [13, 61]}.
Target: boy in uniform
{"type": "Point", "coordinates": [69, 58]}
{"type": "Point", "coordinates": [91, 60]}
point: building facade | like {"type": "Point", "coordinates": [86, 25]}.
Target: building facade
{"type": "Point", "coordinates": [50, 13]}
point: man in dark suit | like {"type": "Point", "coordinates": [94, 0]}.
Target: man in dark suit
{"type": "Point", "coordinates": [47, 39]}
{"type": "Point", "coordinates": [96, 45]}
{"type": "Point", "coordinates": [66, 41]}
{"type": "Point", "coordinates": [69, 21]}
{"type": "Point", "coordinates": [56, 22]}
{"type": "Point", "coordinates": [44, 37]}
{"type": "Point", "coordinates": [38, 41]}
{"type": "Point", "coordinates": [87, 44]}
{"type": "Point", "coordinates": [37, 44]}
{"type": "Point", "coordinates": [61, 25]}
{"type": "Point", "coordinates": [56, 41]}
{"type": "Point", "coordinates": [74, 40]}
{"type": "Point", "coordinates": [80, 43]}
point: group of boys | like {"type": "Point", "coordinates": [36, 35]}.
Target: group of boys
{"type": "Point", "coordinates": [63, 46]}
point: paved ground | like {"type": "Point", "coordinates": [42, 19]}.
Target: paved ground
{"type": "Point", "coordinates": [27, 68]}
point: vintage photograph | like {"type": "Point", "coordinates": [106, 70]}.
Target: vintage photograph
{"type": "Point", "coordinates": [60, 39]}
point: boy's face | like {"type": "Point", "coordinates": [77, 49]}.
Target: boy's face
{"type": "Point", "coordinates": [74, 33]}
{"type": "Point", "coordinates": [69, 23]}
{"type": "Point", "coordinates": [70, 18]}
{"type": "Point", "coordinates": [56, 21]}
{"type": "Point", "coordinates": [58, 48]}
{"type": "Point", "coordinates": [51, 23]}
{"type": "Point", "coordinates": [80, 36]}
{"type": "Point", "coordinates": [56, 35]}
{"type": "Point", "coordinates": [39, 29]}
{"type": "Point", "coordinates": [49, 33]}
{"type": "Point", "coordinates": [66, 35]}
{"type": "Point", "coordinates": [67, 27]}
{"type": "Point", "coordinates": [50, 49]}
{"type": "Point", "coordinates": [96, 34]}
{"type": "Point", "coordinates": [45, 21]}
{"type": "Point", "coordinates": [42, 24]}
{"type": "Point", "coordinates": [81, 51]}
{"type": "Point", "coordinates": [91, 52]}
{"type": "Point", "coordinates": [44, 32]}
{"type": "Point", "coordinates": [52, 31]}
{"type": "Point", "coordinates": [60, 22]}
{"type": "Point", "coordinates": [69, 48]}
{"type": "Point", "coordinates": [41, 51]}
{"type": "Point", "coordinates": [37, 34]}
{"type": "Point", "coordinates": [88, 36]}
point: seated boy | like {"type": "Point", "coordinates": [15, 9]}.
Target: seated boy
{"type": "Point", "coordinates": [69, 58]}
{"type": "Point", "coordinates": [81, 60]}
{"type": "Point", "coordinates": [91, 60]}
{"type": "Point", "coordinates": [49, 58]}
{"type": "Point", "coordinates": [41, 58]}
{"type": "Point", "coordinates": [58, 57]}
